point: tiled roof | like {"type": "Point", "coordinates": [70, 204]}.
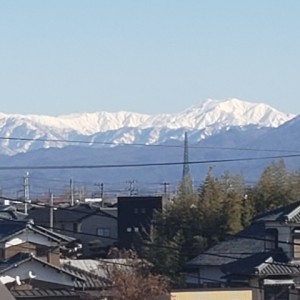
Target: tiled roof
{"type": "Point", "coordinates": [31, 293]}
{"type": "Point", "coordinates": [91, 281]}
{"type": "Point", "coordinates": [14, 261]}
{"type": "Point", "coordinates": [56, 235]}
{"type": "Point", "coordinates": [288, 213]}
{"type": "Point", "coordinates": [71, 214]}
{"type": "Point", "coordinates": [21, 258]}
{"type": "Point", "coordinates": [272, 267]}
{"type": "Point", "coordinates": [234, 248]}
{"type": "Point", "coordinates": [88, 265]}
{"type": "Point", "coordinates": [271, 263]}
{"type": "Point", "coordinates": [11, 227]}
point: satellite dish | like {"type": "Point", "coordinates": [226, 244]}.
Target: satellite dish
{"type": "Point", "coordinates": [18, 280]}
{"type": "Point", "coordinates": [31, 275]}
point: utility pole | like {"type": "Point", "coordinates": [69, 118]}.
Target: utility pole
{"type": "Point", "coordinates": [26, 191]}
{"type": "Point", "coordinates": [72, 191]}
{"type": "Point", "coordinates": [101, 187]}
{"type": "Point", "coordinates": [165, 185]}
{"type": "Point", "coordinates": [101, 191]}
{"type": "Point", "coordinates": [51, 212]}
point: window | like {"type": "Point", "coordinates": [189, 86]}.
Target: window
{"type": "Point", "coordinates": [129, 229]}
{"type": "Point", "coordinates": [103, 232]}
{"type": "Point", "coordinates": [136, 229]}
{"type": "Point", "coordinates": [276, 293]}
{"type": "Point", "coordinates": [136, 211]}
{"type": "Point", "coordinates": [296, 243]}
{"type": "Point", "coordinates": [143, 210]}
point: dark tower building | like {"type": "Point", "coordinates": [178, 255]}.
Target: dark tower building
{"type": "Point", "coordinates": [135, 216]}
{"type": "Point", "coordinates": [186, 167]}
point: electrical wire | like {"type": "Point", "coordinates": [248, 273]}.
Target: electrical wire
{"type": "Point", "coordinates": [109, 166]}
{"type": "Point", "coordinates": [142, 144]}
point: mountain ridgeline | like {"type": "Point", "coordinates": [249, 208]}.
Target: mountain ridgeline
{"type": "Point", "coordinates": [230, 135]}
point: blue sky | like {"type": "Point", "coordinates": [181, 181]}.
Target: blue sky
{"type": "Point", "coordinates": [148, 56]}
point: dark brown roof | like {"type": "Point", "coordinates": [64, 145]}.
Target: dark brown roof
{"type": "Point", "coordinates": [44, 293]}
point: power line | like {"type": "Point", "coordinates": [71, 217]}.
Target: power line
{"type": "Point", "coordinates": [102, 213]}
{"type": "Point", "coordinates": [64, 167]}
{"type": "Point", "coordinates": [143, 144]}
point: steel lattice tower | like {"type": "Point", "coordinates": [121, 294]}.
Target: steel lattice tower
{"type": "Point", "coordinates": [186, 167]}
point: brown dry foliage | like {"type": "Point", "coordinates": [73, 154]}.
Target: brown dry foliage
{"type": "Point", "coordinates": [134, 281]}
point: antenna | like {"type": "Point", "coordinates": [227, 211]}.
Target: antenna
{"type": "Point", "coordinates": [18, 280]}
{"type": "Point", "coordinates": [31, 275]}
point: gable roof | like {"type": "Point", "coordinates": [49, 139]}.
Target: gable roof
{"type": "Point", "coordinates": [9, 229]}
{"type": "Point", "coordinates": [271, 263]}
{"type": "Point", "coordinates": [22, 258]}
{"type": "Point", "coordinates": [246, 243]}
{"type": "Point", "coordinates": [91, 281]}
{"type": "Point", "coordinates": [71, 214]}
{"type": "Point", "coordinates": [289, 213]}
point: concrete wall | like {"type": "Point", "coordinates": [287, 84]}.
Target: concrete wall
{"type": "Point", "coordinates": [213, 295]}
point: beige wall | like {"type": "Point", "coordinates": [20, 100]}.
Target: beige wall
{"type": "Point", "coordinates": [213, 295]}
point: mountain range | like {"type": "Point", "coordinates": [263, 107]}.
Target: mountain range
{"type": "Point", "coordinates": [249, 135]}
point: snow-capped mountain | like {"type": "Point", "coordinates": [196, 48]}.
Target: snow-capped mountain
{"type": "Point", "coordinates": [205, 119]}
{"type": "Point", "coordinates": [246, 135]}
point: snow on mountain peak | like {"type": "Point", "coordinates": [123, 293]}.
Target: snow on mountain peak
{"type": "Point", "coordinates": [232, 112]}
{"type": "Point", "coordinates": [210, 116]}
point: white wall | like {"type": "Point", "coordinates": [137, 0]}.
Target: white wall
{"type": "Point", "coordinates": [42, 273]}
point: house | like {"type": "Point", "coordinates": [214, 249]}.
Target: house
{"type": "Point", "coordinates": [135, 216]}
{"type": "Point", "coordinates": [265, 257]}
{"type": "Point", "coordinates": [30, 264]}
{"type": "Point", "coordinates": [95, 227]}
{"type": "Point", "coordinates": [27, 268]}
{"type": "Point", "coordinates": [23, 236]}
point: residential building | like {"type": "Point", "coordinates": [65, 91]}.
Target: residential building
{"type": "Point", "coordinates": [135, 216]}
{"type": "Point", "coordinates": [22, 236]}
{"type": "Point", "coordinates": [30, 264]}
{"type": "Point", "coordinates": [96, 227]}
{"type": "Point", "coordinates": [265, 257]}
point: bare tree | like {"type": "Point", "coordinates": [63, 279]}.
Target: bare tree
{"type": "Point", "coordinates": [132, 279]}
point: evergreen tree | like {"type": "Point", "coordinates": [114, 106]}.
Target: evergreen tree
{"type": "Point", "coordinates": [272, 189]}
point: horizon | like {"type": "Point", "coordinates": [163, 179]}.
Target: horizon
{"type": "Point", "coordinates": [148, 114]}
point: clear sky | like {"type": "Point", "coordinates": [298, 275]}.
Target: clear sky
{"type": "Point", "coordinates": [148, 56]}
